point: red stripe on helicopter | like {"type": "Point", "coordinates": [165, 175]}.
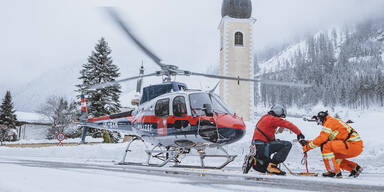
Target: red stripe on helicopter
{"type": "Point", "coordinates": [99, 118]}
{"type": "Point", "coordinates": [222, 120]}
{"type": "Point", "coordinates": [130, 118]}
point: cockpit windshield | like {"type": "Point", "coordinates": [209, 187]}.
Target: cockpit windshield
{"type": "Point", "coordinates": [218, 105]}
{"type": "Point", "coordinates": [197, 100]}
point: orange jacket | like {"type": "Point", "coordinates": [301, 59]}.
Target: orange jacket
{"type": "Point", "coordinates": [333, 129]}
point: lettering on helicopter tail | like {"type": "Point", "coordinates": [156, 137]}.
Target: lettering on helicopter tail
{"type": "Point", "coordinates": [145, 127]}
{"type": "Point", "coordinates": [162, 126]}
{"type": "Point", "coordinates": [111, 125]}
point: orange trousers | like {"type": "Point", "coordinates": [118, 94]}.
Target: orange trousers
{"type": "Point", "coordinates": [335, 154]}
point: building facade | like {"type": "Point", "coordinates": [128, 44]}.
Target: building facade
{"type": "Point", "coordinates": [236, 56]}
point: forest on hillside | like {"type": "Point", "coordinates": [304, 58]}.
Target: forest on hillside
{"type": "Point", "coordinates": [345, 67]}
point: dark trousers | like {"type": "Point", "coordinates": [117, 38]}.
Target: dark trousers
{"type": "Point", "coordinates": [279, 148]}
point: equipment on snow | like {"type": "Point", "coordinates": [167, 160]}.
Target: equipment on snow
{"type": "Point", "coordinates": [305, 161]}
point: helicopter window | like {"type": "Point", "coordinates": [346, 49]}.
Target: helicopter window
{"type": "Point", "coordinates": [238, 38]}
{"type": "Point", "coordinates": [154, 91]}
{"type": "Point", "coordinates": [179, 107]}
{"type": "Point", "coordinates": [197, 101]}
{"type": "Point", "coordinates": [162, 108]}
{"type": "Point", "coordinates": [218, 105]}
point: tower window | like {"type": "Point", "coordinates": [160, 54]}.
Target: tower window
{"type": "Point", "coordinates": [238, 39]}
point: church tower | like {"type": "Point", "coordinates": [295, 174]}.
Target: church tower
{"type": "Point", "coordinates": [236, 56]}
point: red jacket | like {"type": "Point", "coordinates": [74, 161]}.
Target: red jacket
{"type": "Point", "coordinates": [268, 124]}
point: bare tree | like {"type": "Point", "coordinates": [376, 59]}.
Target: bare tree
{"type": "Point", "coordinates": [61, 113]}
{"type": "Point", "coordinates": [3, 133]}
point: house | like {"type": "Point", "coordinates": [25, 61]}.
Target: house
{"type": "Point", "coordinates": [32, 126]}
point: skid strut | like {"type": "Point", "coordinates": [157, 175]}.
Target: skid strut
{"type": "Point", "coordinates": [203, 155]}
{"type": "Point", "coordinates": [135, 138]}
{"type": "Point", "coordinates": [171, 154]}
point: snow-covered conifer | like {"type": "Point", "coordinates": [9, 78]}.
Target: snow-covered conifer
{"type": "Point", "coordinates": [7, 112]}
{"type": "Point", "coordinates": [100, 69]}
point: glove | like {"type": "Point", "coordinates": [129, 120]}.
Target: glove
{"type": "Point", "coordinates": [303, 142]}
{"type": "Point", "coordinates": [300, 137]}
{"type": "Point", "coordinates": [306, 147]}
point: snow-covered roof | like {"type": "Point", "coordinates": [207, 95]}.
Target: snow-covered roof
{"type": "Point", "coordinates": [31, 117]}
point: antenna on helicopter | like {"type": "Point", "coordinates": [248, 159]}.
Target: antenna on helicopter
{"type": "Point", "coordinates": [140, 79]}
{"type": "Point", "coordinates": [136, 99]}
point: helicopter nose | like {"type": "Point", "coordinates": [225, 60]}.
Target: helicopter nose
{"type": "Point", "coordinates": [230, 128]}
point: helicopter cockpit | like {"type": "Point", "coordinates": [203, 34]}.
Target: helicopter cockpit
{"type": "Point", "coordinates": [201, 103]}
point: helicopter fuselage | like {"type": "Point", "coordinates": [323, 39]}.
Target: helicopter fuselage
{"type": "Point", "coordinates": [178, 119]}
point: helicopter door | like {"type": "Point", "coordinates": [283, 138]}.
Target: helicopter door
{"type": "Point", "coordinates": [179, 107]}
{"type": "Point", "coordinates": [162, 113]}
{"type": "Point", "coordinates": [180, 112]}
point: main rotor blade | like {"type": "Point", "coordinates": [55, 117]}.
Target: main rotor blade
{"type": "Point", "coordinates": [270, 82]}
{"type": "Point", "coordinates": [112, 83]}
{"type": "Point", "coordinates": [116, 17]}
{"type": "Point", "coordinates": [284, 83]}
{"type": "Point", "coordinates": [223, 77]}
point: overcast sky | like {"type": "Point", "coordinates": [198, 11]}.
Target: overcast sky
{"type": "Point", "coordinates": [39, 36]}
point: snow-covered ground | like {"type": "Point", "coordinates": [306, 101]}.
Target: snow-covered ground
{"type": "Point", "coordinates": [36, 141]}
{"type": "Point", "coordinates": [27, 169]}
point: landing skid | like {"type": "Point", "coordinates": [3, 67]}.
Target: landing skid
{"type": "Point", "coordinates": [157, 152]}
{"type": "Point", "coordinates": [171, 155]}
{"type": "Point", "coordinates": [202, 155]}
{"type": "Point", "coordinates": [137, 164]}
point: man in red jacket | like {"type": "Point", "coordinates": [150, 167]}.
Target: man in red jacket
{"type": "Point", "coordinates": [266, 145]}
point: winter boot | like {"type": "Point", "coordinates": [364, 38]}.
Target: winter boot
{"type": "Point", "coordinates": [356, 171]}
{"type": "Point", "coordinates": [273, 169]}
{"type": "Point", "coordinates": [331, 174]}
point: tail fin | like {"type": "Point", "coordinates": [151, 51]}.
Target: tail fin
{"type": "Point", "coordinates": [83, 118]}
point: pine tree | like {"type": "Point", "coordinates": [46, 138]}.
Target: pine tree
{"type": "Point", "coordinates": [7, 113]}
{"type": "Point", "coordinates": [100, 69]}
{"type": "Point", "coordinates": [380, 88]}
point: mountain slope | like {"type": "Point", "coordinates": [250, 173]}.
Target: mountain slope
{"type": "Point", "coordinates": [344, 65]}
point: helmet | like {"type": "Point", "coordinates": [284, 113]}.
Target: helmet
{"type": "Point", "coordinates": [320, 118]}
{"type": "Point", "coordinates": [278, 111]}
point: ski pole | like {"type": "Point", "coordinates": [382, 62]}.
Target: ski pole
{"type": "Point", "coordinates": [290, 172]}
{"type": "Point", "coordinates": [305, 161]}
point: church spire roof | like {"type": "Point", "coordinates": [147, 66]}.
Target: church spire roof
{"type": "Point", "coordinates": [241, 9]}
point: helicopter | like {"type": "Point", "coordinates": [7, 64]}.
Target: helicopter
{"type": "Point", "coordinates": [172, 117]}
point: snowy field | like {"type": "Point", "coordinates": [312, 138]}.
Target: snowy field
{"type": "Point", "coordinates": [92, 167]}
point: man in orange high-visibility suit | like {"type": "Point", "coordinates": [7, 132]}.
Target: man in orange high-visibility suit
{"type": "Point", "coordinates": [338, 141]}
